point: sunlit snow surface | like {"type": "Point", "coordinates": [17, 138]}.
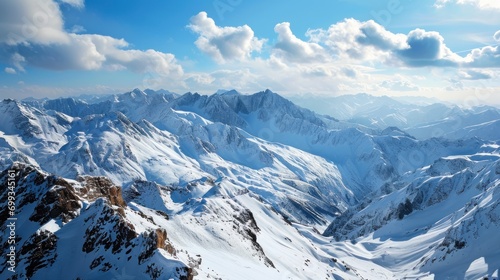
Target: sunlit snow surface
{"type": "Point", "coordinates": [328, 199]}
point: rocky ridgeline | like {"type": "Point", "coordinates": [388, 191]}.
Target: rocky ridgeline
{"type": "Point", "coordinates": [86, 220]}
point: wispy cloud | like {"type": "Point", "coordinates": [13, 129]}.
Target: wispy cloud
{"type": "Point", "coordinates": [481, 4]}
{"type": "Point", "coordinates": [496, 36]}
{"type": "Point", "coordinates": [77, 29]}
{"type": "Point", "coordinates": [399, 84]}
{"type": "Point", "coordinates": [474, 75]}
{"type": "Point", "coordinates": [75, 3]}
{"type": "Point", "coordinates": [10, 70]}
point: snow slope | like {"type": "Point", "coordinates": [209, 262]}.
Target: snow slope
{"type": "Point", "coordinates": [234, 186]}
{"type": "Point", "coordinates": [446, 216]}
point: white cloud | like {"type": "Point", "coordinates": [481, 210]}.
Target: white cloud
{"type": "Point", "coordinates": [293, 49]}
{"type": "Point", "coordinates": [427, 49]}
{"type": "Point", "coordinates": [10, 70]}
{"type": "Point", "coordinates": [368, 42]}
{"type": "Point", "coordinates": [32, 31]}
{"type": "Point", "coordinates": [77, 29]}
{"type": "Point", "coordinates": [399, 85]}
{"type": "Point", "coordinates": [484, 57]}
{"type": "Point", "coordinates": [496, 36]}
{"type": "Point", "coordinates": [224, 43]}
{"type": "Point", "coordinates": [376, 35]}
{"type": "Point", "coordinates": [338, 59]}
{"type": "Point", "coordinates": [481, 4]}
{"type": "Point", "coordinates": [26, 21]}
{"type": "Point", "coordinates": [75, 3]}
{"type": "Point", "coordinates": [18, 61]}
{"type": "Point", "coordinates": [474, 75]}
{"type": "Point", "coordinates": [355, 40]}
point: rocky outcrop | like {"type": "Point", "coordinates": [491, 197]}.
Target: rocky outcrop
{"type": "Point", "coordinates": [90, 213]}
{"type": "Point", "coordinates": [247, 226]}
{"type": "Point", "coordinates": [96, 187]}
{"type": "Point", "coordinates": [39, 251]}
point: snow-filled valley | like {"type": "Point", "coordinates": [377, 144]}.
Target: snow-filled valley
{"type": "Point", "coordinates": [155, 185]}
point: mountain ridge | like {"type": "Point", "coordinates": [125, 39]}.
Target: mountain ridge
{"type": "Point", "coordinates": [250, 178]}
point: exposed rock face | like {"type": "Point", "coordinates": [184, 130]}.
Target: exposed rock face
{"type": "Point", "coordinates": [163, 242]}
{"type": "Point", "coordinates": [85, 220]}
{"type": "Point", "coordinates": [247, 226]}
{"type": "Point", "coordinates": [59, 202]}
{"type": "Point", "coordinates": [96, 187]}
{"type": "Point", "coordinates": [404, 209]}
{"type": "Point", "coordinates": [39, 251]}
{"type": "Point", "coordinates": [97, 234]}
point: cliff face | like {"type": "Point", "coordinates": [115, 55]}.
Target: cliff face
{"type": "Point", "coordinates": [76, 228]}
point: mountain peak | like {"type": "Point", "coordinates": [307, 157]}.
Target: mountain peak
{"type": "Point", "coordinates": [136, 93]}
{"type": "Point", "coordinates": [226, 92]}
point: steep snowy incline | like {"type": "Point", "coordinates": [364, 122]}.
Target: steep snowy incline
{"type": "Point", "coordinates": [239, 186]}
{"type": "Point", "coordinates": [368, 160]}
{"type": "Point", "coordinates": [305, 187]}
{"type": "Point", "coordinates": [442, 223]}
{"type": "Point", "coordinates": [234, 233]}
{"type": "Point", "coordinates": [111, 145]}
{"type": "Point", "coordinates": [27, 132]}
{"type": "Point", "coordinates": [86, 228]}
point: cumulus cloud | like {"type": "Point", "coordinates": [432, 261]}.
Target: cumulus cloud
{"type": "Point", "coordinates": [32, 33]}
{"type": "Point", "coordinates": [372, 33]}
{"type": "Point", "coordinates": [341, 58]}
{"type": "Point", "coordinates": [370, 42]}
{"type": "Point", "coordinates": [25, 21]}
{"type": "Point", "coordinates": [483, 57]}
{"type": "Point", "coordinates": [426, 49]}
{"type": "Point", "coordinates": [293, 49]}
{"type": "Point", "coordinates": [340, 39]}
{"type": "Point", "coordinates": [481, 4]}
{"type": "Point", "coordinates": [455, 84]}
{"type": "Point", "coordinates": [224, 43]}
{"type": "Point", "coordinates": [352, 39]}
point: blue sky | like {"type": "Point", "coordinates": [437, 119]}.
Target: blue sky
{"type": "Point", "coordinates": [435, 48]}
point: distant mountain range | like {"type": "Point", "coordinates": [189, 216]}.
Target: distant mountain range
{"type": "Point", "coordinates": [422, 118]}
{"type": "Point", "coordinates": [156, 185]}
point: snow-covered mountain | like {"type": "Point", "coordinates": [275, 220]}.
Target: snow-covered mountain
{"type": "Point", "coordinates": [423, 118]}
{"type": "Point", "coordinates": [83, 229]}
{"type": "Point", "coordinates": [446, 215]}
{"type": "Point", "coordinates": [237, 186]}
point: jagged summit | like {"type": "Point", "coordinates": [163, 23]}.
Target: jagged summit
{"type": "Point", "coordinates": [227, 92]}
{"type": "Point", "coordinates": [88, 222]}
